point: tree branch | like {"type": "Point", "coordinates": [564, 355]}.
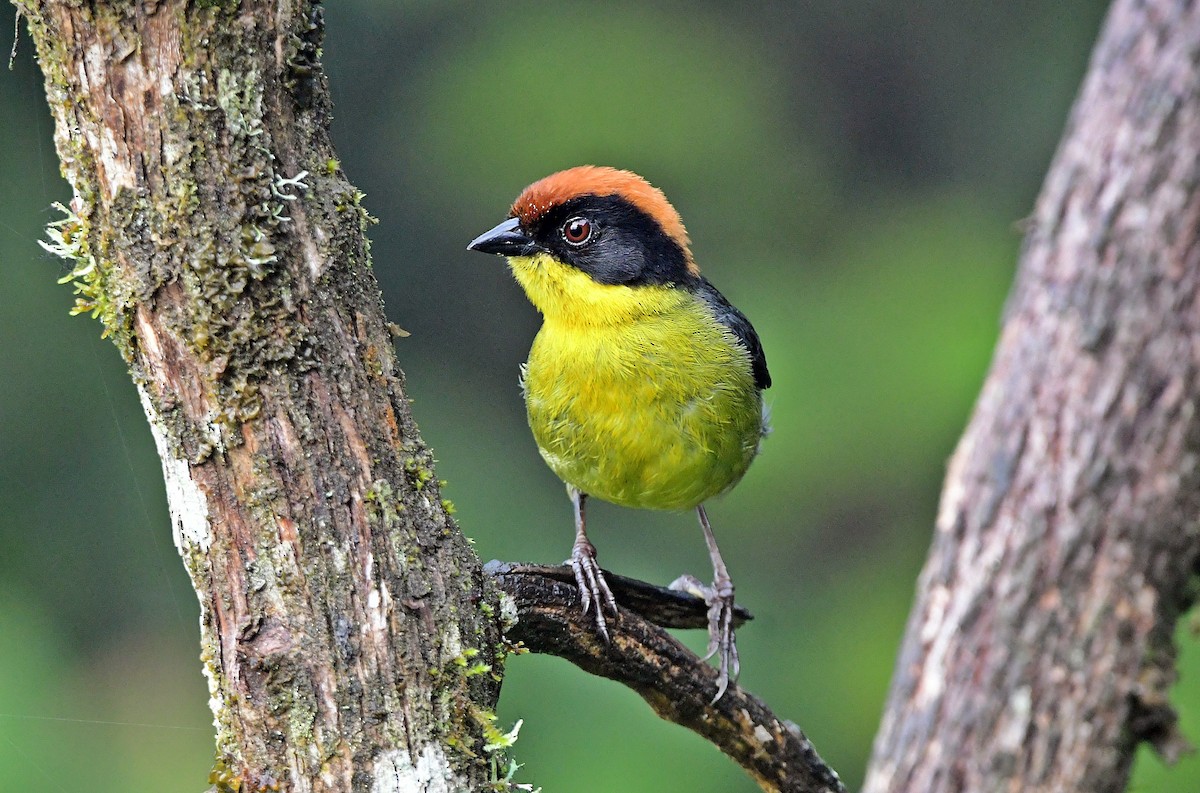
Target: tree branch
{"type": "Point", "coordinates": [677, 684]}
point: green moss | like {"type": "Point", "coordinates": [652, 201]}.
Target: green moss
{"type": "Point", "coordinates": [468, 669]}
{"type": "Point", "coordinates": [302, 715]}
{"type": "Point", "coordinates": [100, 289]}
{"type": "Point", "coordinates": [383, 507]}
{"type": "Point", "coordinates": [223, 778]}
{"type": "Point", "coordinates": [68, 240]}
{"type": "Point", "coordinates": [419, 467]}
{"type": "Point", "coordinates": [497, 742]}
{"type": "Point", "coordinates": [470, 729]}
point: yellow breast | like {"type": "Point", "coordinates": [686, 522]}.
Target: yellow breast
{"type": "Point", "coordinates": [636, 395]}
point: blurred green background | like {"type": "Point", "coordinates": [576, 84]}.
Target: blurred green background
{"type": "Point", "coordinates": [852, 173]}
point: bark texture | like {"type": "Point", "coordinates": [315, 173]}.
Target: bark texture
{"type": "Point", "coordinates": [345, 626]}
{"type": "Point", "coordinates": [1040, 651]}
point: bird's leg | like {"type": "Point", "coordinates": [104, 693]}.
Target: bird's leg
{"type": "Point", "coordinates": [593, 589]}
{"type": "Point", "coordinates": [719, 598]}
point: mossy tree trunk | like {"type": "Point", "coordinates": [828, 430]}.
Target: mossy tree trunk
{"type": "Point", "coordinates": [1039, 653]}
{"type": "Point", "coordinates": [348, 634]}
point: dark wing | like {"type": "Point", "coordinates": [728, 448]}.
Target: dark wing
{"type": "Point", "coordinates": [737, 323]}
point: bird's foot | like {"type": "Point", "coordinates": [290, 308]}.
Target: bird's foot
{"type": "Point", "coordinates": [721, 641]}
{"type": "Point", "coordinates": [593, 589]}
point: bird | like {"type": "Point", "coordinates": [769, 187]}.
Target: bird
{"type": "Point", "coordinates": [643, 386]}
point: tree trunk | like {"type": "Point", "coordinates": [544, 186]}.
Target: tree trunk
{"type": "Point", "coordinates": [1039, 652]}
{"type": "Point", "coordinates": [348, 634]}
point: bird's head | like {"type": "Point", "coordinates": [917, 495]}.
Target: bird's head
{"type": "Point", "coordinates": [593, 244]}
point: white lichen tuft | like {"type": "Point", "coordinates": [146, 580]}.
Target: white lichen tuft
{"type": "Point", "coordinates": [189, 508]}
{"type": "Point", "coordinates": [508, 612]}
{"type": "Point", "coordinates": [242, 102]}
{"type": "Point", "coordinates": [395, 772]}
{"type": "Point", "coordinates": [452, 646]}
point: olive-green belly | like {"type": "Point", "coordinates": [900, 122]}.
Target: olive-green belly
{"type": "Point", "coordinates": [659, 414]}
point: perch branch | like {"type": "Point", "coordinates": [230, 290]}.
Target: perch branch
{"type": "Point", "coordinates": [677, 684]}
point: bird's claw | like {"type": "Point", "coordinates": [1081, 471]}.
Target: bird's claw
{"type": "Point", "coordinates": [721, 640]}
{"type": "Point", "coordinates": [593, 589]}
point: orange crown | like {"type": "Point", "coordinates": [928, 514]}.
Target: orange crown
{"type": "Point", "coordinates": [558, 188]}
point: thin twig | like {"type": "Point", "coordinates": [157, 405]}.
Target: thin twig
{"type": "Point", "coordinates": [677, 684]}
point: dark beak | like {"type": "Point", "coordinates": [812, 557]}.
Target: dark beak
{"type": "Point", "coordinates": [507, 239]}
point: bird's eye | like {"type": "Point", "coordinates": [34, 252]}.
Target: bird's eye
{"type": "Point", "coordinates": [577, 231]}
